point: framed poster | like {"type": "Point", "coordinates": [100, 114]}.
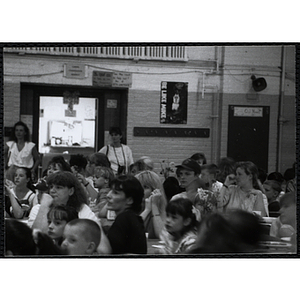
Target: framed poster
{"type": "Point", "coordinates": [173, 102]}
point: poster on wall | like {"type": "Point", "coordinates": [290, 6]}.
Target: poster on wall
{"type": "Point", "coordinates": [173, 102]}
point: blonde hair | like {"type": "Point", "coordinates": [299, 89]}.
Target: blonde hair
{"type": "Point", "coordinates": [104, 172]}
{"type": "Point", "coordinates": [153, 181]}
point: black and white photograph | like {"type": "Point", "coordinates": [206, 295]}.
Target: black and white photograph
{"type": "Point", "coordinates": [154, 150]}
{"type": "Point", "coordinates": [149, 150]}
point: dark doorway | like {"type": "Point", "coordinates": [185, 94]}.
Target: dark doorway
{"type": "Point", "coordinates": [110, 108]}
{"type": "Point", "coordinates": [248, 134]}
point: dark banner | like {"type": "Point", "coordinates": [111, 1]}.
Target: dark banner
{"type": "Point", "coordinates": [173, 102]}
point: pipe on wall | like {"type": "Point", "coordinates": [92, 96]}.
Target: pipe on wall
{"type": "Point", "coordinates": [281, 120]}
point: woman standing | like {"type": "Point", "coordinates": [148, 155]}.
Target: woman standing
{"type": "Point", "coordinates": [20, 152]}
{"type": "Point", "coordinates": [238, 190]}
{"type": "Point", "coordinates": [119, 155]}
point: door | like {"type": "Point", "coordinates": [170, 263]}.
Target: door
{"type": "Point", "coordinates": [248, 134]}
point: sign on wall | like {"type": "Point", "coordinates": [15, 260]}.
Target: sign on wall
{"type": "Point", "coordinates": [112, 79]}
{"type": "Point", "coordinates": [75, 71]}
{"type": "Point", "coordinates": [173, 102]}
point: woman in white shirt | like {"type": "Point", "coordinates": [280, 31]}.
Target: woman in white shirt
{"type": "Point", "coordinates": [20, 152]}
{"type": "Point", "coordinates": [119, 155]}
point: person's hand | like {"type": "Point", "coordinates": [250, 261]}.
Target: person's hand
{"type": "Point", "coordinates": [7, 190]}
{"type": "Point", "coordinates": [230, 179]}
{"type": "Point", "coordinates": [9, 183]}
{"type": "Point", "coordinates": [46, 200]}
{"type": "Point", "coordinates": [81, 178]}
{"type": "Point", "coordinates": [155, 197]}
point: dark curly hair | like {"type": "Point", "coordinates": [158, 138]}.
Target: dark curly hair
{"type": "Point", "coordinates": [68, 179]}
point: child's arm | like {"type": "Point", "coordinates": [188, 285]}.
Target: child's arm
{"type": "Point", "coordinates": [41, 221]}
{"type": "Point", "coordinates": [159, 217]}
{"type": "Point", "coordinates": [17, 208]}
{"type": "Point", "coordinates": [224, 195]}
{"type": "Point", "coordinates": [147, 210]}
{"type": "Point", "coordinates": [87, 186]}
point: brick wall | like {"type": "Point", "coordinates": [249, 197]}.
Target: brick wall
{"type": "Point", "coordinates": [234, 83]}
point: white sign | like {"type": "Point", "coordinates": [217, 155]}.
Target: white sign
{"type": "Point", "coordinates": [248, 112]}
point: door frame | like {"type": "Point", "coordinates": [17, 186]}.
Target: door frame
{"type": "Point", "coordinates": [31, 93]}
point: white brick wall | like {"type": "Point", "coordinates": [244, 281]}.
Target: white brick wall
{"type": "Point", "coordinates": [144, 95]}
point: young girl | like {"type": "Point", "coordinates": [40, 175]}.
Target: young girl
{"type": "Point", "coordinates": [102, 178]}
{"type": "Point", "coordinates": [22, 196]}
{"type": "Point", "coordinates": [155, 203]}
{"type": "Point", "coordinates": [58, 216]}
{"type": "Point", "coordinates": [180, 232]}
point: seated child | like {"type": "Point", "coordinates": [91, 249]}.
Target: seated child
{"type": "Point", "coordinates": [20, 240]}
{"type": "Point", "coordinates": [101, 180]}
{"type": "Point", "coordinates": [81, 237]}
{"type": "Point", "coordinates": [58, 216]}
{"type": "Point", "coordinates": [180, 232]}
{"type": "Point", "coordinates": [272, 190]}
{"type": "Point", "coordinates": [208, 175]}
{"type": "Point", "coordinates": [285, 224]}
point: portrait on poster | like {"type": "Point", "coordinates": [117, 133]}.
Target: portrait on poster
{"type": "Point", "coordinates": [173, 102]}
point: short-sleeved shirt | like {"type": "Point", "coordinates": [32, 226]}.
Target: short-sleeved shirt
{"type": "Point", "coordinates": [21, 158]}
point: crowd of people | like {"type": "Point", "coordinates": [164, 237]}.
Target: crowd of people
{"type": "Point", "coordinates": [108, 204]}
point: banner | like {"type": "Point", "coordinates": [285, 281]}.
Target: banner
{"type": "Point", "coordinates": [173, 102]}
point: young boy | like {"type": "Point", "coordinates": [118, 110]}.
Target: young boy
{"type": "Point", "coordinates": [285, 224]}
{"type": "Point", "coordinates": [209, 175]}
{"type": "Point", "coordinates": [81, 237]}
{"type": "Point", "coordinates": [272, 190]}
{"type": "Point", "coordinates": [188, 175]}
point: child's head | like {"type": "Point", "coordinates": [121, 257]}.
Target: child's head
{"type": "Point", "coordinates": [143, 164]}
{"type": "Point", "coordinates": [288, 209]}
{"type": "Point", "coordinates": [199, 158]}
{"type": "Point", "coordinates": [102, 177]}
{"type": "Point", "coordinates": [81, 237]}
{"type": "Point", "coordinates": [22, 176]}
{"type": "Point", "coordinates": [96, 159]}
{"type": "Point", "coordinates": [272, 189]}
{"type": "Point", "coordinates": [209, 173]}
{"type": "Point", "coordinates": [57, 164]}
{"type": "Point", "coordinates": [18, 239]}
{"type": "Point", "coordinates": [188, 172]}
{"type": "Point", "coordinates": [149, 181]}
{"type": "Point", "coordinates": [58, 216]}
{"type": "Point", "coordinates": [65, 188]}
{"type": "Point", "coordinates": [78, 163]}
{"type": "Point", "coordinates": [180, 216]}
